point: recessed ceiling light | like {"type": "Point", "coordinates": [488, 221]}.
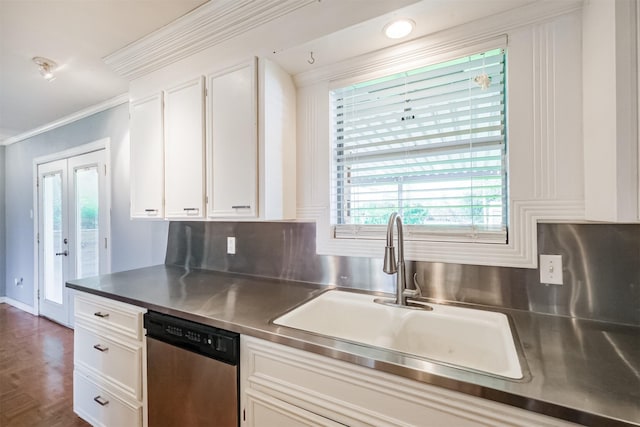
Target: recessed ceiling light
{"type": "Point", "coordinates": [399, 28]}
{"type": "Point", "coordinates": [46, 66]}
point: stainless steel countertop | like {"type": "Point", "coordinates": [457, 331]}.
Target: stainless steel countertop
{"type": "Point", "coordinates": [582, 371]}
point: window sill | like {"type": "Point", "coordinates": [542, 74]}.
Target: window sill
{"type": "Point", "coordinates": [521, 251]}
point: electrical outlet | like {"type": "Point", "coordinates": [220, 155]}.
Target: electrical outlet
{"type": "Point", "coordinates": [551, 269]}
{"type": "Point", "coordinates": [18, 282]}
{"type": "Point", "coordinates": [231, 245]}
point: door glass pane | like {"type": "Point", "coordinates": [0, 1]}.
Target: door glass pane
{"type": "Point", "coordinates": [52, 236]}
{"type": "Point", "coordinates": [87, 221]}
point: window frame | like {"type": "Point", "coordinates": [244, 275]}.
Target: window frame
{"type": "Point", "coordinates": [424, 233]}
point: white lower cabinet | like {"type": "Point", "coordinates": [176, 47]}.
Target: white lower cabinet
{"type": "Point", "coordinates": [265, 410]}
{"type": "Point", "coordinates": [285, 387]}
{"type": "Point", "coordinates": [109, 362]}
{"type": "Point", "coordinates": [99, 407]}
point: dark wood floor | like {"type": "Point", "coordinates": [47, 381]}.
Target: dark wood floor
{"type": "Point", "coordinates": [36, 371]}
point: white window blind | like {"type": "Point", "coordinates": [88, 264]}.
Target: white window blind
{"type": "Point", "coordinates": [428, 143]}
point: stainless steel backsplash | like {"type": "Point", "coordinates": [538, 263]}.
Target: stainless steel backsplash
{"type": "Point", "coordinates": [601, 266]}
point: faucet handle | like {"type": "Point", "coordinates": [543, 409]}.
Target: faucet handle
{"type": "Point", "coordinates": [413, 293]}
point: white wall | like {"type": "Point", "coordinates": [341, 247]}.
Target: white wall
{"type": "Point", "coordinates": [544, 139]}
{"type": "Point", "coordinates": [545, 124]}
{"type": "Point", "coordinates": [133, 244]}
{"type": "Point", "coordinates": [611, 110]}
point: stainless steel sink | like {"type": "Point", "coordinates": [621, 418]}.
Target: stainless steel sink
{"type": "Point", "coordinates": [473, 339]}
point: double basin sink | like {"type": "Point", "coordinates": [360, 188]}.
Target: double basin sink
{"type": "Point", "coordinates": [471, 339]}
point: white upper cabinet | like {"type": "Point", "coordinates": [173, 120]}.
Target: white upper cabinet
{"type": "Point", "coordinates": [248, 170]}
{"type": "Point", "coordinates": [232, 119]}
{"type": "Point", "coordinates": [147, 158]}
{"type": "Point", "coordinates": [277, 141]}
{"type": "Point", "coordinates": [184, 150]}
{"type": "Point", "coordinates": [251, 159]}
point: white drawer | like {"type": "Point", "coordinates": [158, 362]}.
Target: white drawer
{"type": "Point", "coordinates": [116, 361]}
{"type": "Point", "coordinates": [124, 319]}
{"type": "Point", "coordinates": [101, 408]}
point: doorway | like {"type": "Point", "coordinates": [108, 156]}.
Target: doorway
{"type": "Point", "coordinates": [73, 228]}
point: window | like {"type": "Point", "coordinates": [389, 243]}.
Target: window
{"type": "Point", "coordinates": [429, 143]}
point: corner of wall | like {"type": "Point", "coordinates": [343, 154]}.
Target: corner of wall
{"type": "Point", "coordinates": [2, 224]}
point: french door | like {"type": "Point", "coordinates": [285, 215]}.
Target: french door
{"type": "Point", "coordinates": [73, 228]}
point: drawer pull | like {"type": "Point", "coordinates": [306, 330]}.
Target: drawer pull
{"type": "Point", "coordinates": [191, 211]}
{"type": "Point", "coordinates": [241, 207]}
{"type": "Point", "coordinates": [101, 314]}
{"type": "Point", "coordinates": [151, 211]}
{"type": "Point", "coordinates": [101, 400]}
{"type": "Point", "coordinates": [100, 348]}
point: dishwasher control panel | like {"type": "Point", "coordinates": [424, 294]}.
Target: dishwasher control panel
{"type": "Point", "coordinates": [202, 339]}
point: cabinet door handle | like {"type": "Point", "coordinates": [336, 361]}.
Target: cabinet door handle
{"type": "Point", "coordinates": [191, 211]}
{"type": "Point", "coordinates": [65, 253]}
{"type": "Point", "coordinates": [241, 207]}
{"type": "Point", "coordinates": [100, 347]}
{"type": "Point", "coordinates": [101, 314]}
{"type": "Point", "coordinates": [151, 211]}
{"type": "Point", "coordinates": [101, 400]}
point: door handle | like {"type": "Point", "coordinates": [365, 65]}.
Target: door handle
{"type": "Point", "coordinates": [65, 253]}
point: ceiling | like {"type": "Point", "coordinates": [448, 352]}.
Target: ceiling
{"type": "Point", "coordinates": [78, 35]}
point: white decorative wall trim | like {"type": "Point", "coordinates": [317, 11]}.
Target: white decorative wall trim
{"type": "Point", "coordinates": [440, 43]}
{"type": "Point", "coordinates": [89, 111]}
{"type": "Point", "coordinates": [521, 251]}
{"type": "Point", "coordinates": [311, 213]}
{"type": "Point", "coordinates": [544, 149]}
{"type": "Point", "coordinates": [209, 25]}
{"type": "Point", "coordinates": [544, 140]}
{"type": "Point", "coordinates": [313, 154]}
{"type": "Point", "coordinates": [17, 304]}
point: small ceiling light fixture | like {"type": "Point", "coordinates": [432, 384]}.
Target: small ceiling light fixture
{"type": "Point", "coordinates": [46, 66]}
{"type": "Point", "coordinates": [399, 28]}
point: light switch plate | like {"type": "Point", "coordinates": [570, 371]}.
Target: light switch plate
{"type": "Point", "coordinates": [551, 269]}
{"type": "Point", "coordinates": [231, 245]}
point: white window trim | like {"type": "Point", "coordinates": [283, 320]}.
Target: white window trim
{"type": "Point", "coordinates": [524, 212]}
{"type": "Point", "coordinates": [463, 234]}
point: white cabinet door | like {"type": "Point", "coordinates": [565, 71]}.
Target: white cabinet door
{"type": "Point", "coordinates": [147, 158]}
{"type": "Point", "coordinates": [233, 143]}
{"type": "Point", "coordinates": [280, 384]}
{"type": "Point", "coordinates": [184, 150]}
{"type": "Point", "coordinates": [264, 411]}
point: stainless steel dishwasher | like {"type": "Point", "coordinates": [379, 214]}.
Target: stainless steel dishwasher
{"type": "Point", "coordinates": [192, 373]}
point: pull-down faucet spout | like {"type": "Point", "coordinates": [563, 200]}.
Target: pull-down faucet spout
{"type": "Point", "coordinates": [391, 265]}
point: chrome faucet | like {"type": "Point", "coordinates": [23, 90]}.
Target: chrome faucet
{"type": "Point", "coordinates": [391, 265]}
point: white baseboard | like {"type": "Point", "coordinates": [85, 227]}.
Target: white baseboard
{"type": "Point", "coordinates": [17, 304]}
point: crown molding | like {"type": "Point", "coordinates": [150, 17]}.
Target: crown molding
{"type": "Point", "coordinates": [209, 25]}
{"type": "Point", "coordinates": [89, 111]}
